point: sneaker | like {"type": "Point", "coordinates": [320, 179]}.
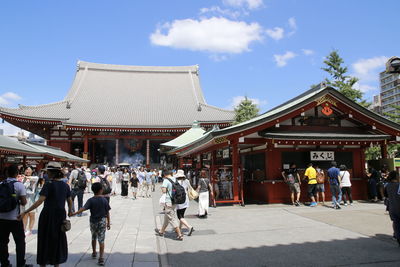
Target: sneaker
{"type": "Point", "coordinates": [297, 204]}
{"type": "Point", "coordinates": [28, 233]}
{"type": "Point", "coordinates": [338, 207]}
{"type": "Point", "coordinates": [351, 204]}
{"type": "Point", "coordinates": [313, 204]}
{"type": "Point", "coordinates": [345, 204]}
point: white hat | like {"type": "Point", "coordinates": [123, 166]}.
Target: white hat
{"type": "Point", "coordinates": [53, 165]}
{"type": "Point", "coordinates": [180, 173]}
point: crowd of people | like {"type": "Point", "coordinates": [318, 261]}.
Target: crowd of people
{"type": "Point", "coordinates": [24, 191]}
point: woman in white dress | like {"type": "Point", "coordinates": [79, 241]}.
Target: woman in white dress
{"type": "Point", "coordinates": [181, 208]}
{"type": "Point", "coordinates": [30, 186]}
{"type": "Point", "coordinates": [205, 190]}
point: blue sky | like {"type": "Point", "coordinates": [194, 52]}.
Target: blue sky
{"type": "Point", "coordinates": [268, 50]}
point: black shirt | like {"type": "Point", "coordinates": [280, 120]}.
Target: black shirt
{"type": "Point", "coordinates": [98, 207]}
{"type": "Point", "coordinates": [292, 171]}
{"type": "Point", "coordinates": [134, 182]}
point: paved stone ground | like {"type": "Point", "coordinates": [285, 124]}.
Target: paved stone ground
{"type": "Point", "coordinates": [255, 235]}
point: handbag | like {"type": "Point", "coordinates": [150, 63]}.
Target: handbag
{"type": "Point", "coordinates": [193, 194]}
{"type": "Point", "coordinates": [162, 199]}
{"type": "Point", "coordinates": [66, 225]}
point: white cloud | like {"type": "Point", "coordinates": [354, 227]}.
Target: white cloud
{"type": "Point", "coordinates": [292, 26]}
{"type": "Point", "coordinates": [281, 60]}
{"type": "Point", "coordinates": [275, 33]}
{"type": "Point", "coordinates": [216, 35]}
{"type": "Point", "coordinates": [307, 52]}
{"type": "Point", "coordinates": [368, 69]}
{"type": "Point", "coordinates": [10, 129]}
{"type": "Point", "coordinates": [219, 11]}
{"type": "Point", "coordinates": [364, 87]}
{"type": "Point", "coordinates": [250, 4]}
{"type": "Point", "coordinates": [235, 101]}
{"type": "Point", "coordinates": [7, 98]}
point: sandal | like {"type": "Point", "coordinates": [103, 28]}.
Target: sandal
{"type": "Point", "coordinates": [158, 232]}
{"type": "Point", "coordinates": [94, 255]}
{"type": "Point", "coordinates": [191, 231]}
{"type": "Point", "coordinates": [101, 262]}
{"type": "Point", "coordinates": [179, 238]}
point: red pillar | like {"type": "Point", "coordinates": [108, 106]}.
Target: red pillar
{"type": "Point", "coordinates": [235, 169]}
{"type": "Point", "coordinates": [147, 153]}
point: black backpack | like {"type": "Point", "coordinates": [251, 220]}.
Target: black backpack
{"type": "Point", "coordinates": [81, 180]}
{"type": "Point", "coordinates": [8, 198]}
{"type": "Point", "coordinates": [178, 195]}
{"type": "Point", "coordinates": [106, 185]}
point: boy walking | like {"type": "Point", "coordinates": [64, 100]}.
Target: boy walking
{"type": "Point", "coordinates": [99, 219]}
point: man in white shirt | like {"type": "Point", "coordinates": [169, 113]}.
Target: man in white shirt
{"type": "Point", "coordinates": [9, 224]}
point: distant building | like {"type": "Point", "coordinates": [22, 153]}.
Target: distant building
{"type": "Point", "coordinates": [376, 105]}
{"type": "Point", "coordinates": [390, 91]}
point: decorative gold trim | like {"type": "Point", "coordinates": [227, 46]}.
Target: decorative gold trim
{"type": "Point", "coordinates": [324, 99]}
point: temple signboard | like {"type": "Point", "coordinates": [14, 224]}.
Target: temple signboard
{"type": "Point", "coordinates": [322, 155]}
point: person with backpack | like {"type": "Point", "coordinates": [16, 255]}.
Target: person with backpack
{"type": "Point", "coordinates": [77, 181]}
{"type": "Point", "coordinates": [181, 208]}
{"type": "Point", "coordinates": [168, 186]}
{"type": "Point", "coordinates": [12, 200]}
{"type": "Point", "coordinates": [103, 180]}
{"type": "Point", "coordinates": [334, 183]}
{"type": "Point", "coordinates": [205, 190]}
{"type": "Point", "coordinates": [292, 178]}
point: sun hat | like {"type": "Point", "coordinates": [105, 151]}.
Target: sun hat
{"type": "Point", "coordinates": [53, 165]}
{"type": "Point", "coordinates": [180, 174]}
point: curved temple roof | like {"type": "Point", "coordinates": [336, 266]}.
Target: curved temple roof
{"type": "Point", "coordinates": [104, 95]}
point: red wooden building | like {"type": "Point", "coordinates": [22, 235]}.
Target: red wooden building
{"type": "Point", "coordinates": [115, 113]}
{"type": "Point", "coordinates": [320, 125]}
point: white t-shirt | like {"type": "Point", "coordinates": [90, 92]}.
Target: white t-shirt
{"type": "Point", "coordinates": [185, 184]}
{"type": "Point", "coordinates": [19, 191]}
{"type": "Point", "coordinates": [345, 176]}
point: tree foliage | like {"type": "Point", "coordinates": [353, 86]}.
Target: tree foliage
{"type": "Point", "coordinates": [245, 111]}
{"type": "Point", "coordinates": [394, 115]}
{"type": "Point", "coordinates": [339, 78]}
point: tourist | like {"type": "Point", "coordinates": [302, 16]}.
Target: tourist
{"type": "Point", "coordinates": [334, 184]}
{"type": "Point", "coordinates": [52, 246]}
{"type": "Point", "coordinates": [154, 178]}
{"type": "Point", "coordinates": [181, 208]}
{"type": "Point", "coordinates": [114, 176]}
{"type": "Point", "coordinates": [383, 174]}
{"type": "Point", "coordinates": [103, 179]}
{"type": "Point", "coordinates": [134, 185]}
{"type": "Point", "coordinates": [99, 219]}
{"type": "Point", "coordinates": [373, 179]}
{"type": "Point", "coordinates": [345, 184]}
{"type": "Point", "coordinates": [148, 183]}
{"type": "Point", "coordinates": [292, 178]}
{"type": "Point", "coordinates": [77, 182]}
{"type": "Point", "coordinates": [392, 190]}
{"type": "Point", "coordinates": [205, 189]}
{"type": "Point", "coordinates": [141, 175]}
{"type": "Point", "coordinates": [320, 184]}
{"type": "Point", "coordinates": [30, 186]}
{"type": "Point", "coordinates": [9, 223]}
{"type": "Point", "coordinates": [311, 175]}
{"type": "Point", "coordinates": [124, 183]}
{"type": "Point", "coordinates": [169, 208]}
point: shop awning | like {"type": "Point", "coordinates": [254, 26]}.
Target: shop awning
{"type": "Point", "coordinates": [12, 145]}
{"type": "Point", "coordinates": [55, 152]}
{"type": "Point", "coordinates": [187, 137]}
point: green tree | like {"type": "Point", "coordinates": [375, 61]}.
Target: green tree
{"type": "Point", "coordinates": [245, 111]}
{"type": "Point", "coordinates": [339, 78]}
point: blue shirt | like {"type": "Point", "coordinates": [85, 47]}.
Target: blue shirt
{"type": "Point", "coordinates": [333, 174]}
{"type": "Point", "coordinates": [167, 184]}
{"type": "Point", "coordinates": [141, 176]}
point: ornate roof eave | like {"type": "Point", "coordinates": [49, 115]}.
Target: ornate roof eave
{"type": "Point", "coordinates": [15, 117]}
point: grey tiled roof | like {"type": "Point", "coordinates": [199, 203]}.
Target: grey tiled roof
{"type": "Point", "coordinates": [129, 97]}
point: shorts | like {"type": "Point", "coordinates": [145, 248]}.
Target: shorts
{"type": "Point", "coordinates": [134, 189]}
{"type": "Point", "coordinates": [320, 188]}
{"type": "Point", "coordinates": [294, 188]}
{"type": "Point", "coordinates": [181, 213]}
{"type": "Point", "coordinates": [98, 230]}
{"type": "Point", "coordinates": [312, 190]}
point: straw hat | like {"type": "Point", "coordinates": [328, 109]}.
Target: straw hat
{"type": "Point", "coordinates": [53, 165]}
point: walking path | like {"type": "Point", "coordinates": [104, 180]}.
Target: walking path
{"type": "Point", "coordinates": [255, 235]}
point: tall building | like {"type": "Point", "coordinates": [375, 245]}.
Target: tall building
{"type": "Point", "coordinates": [390, 91]}
{"type": "Point", "coordinates": [376, 105]}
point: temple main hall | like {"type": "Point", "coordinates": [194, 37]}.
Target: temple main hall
{"type": "Point", "coordinates": [118, 113]}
